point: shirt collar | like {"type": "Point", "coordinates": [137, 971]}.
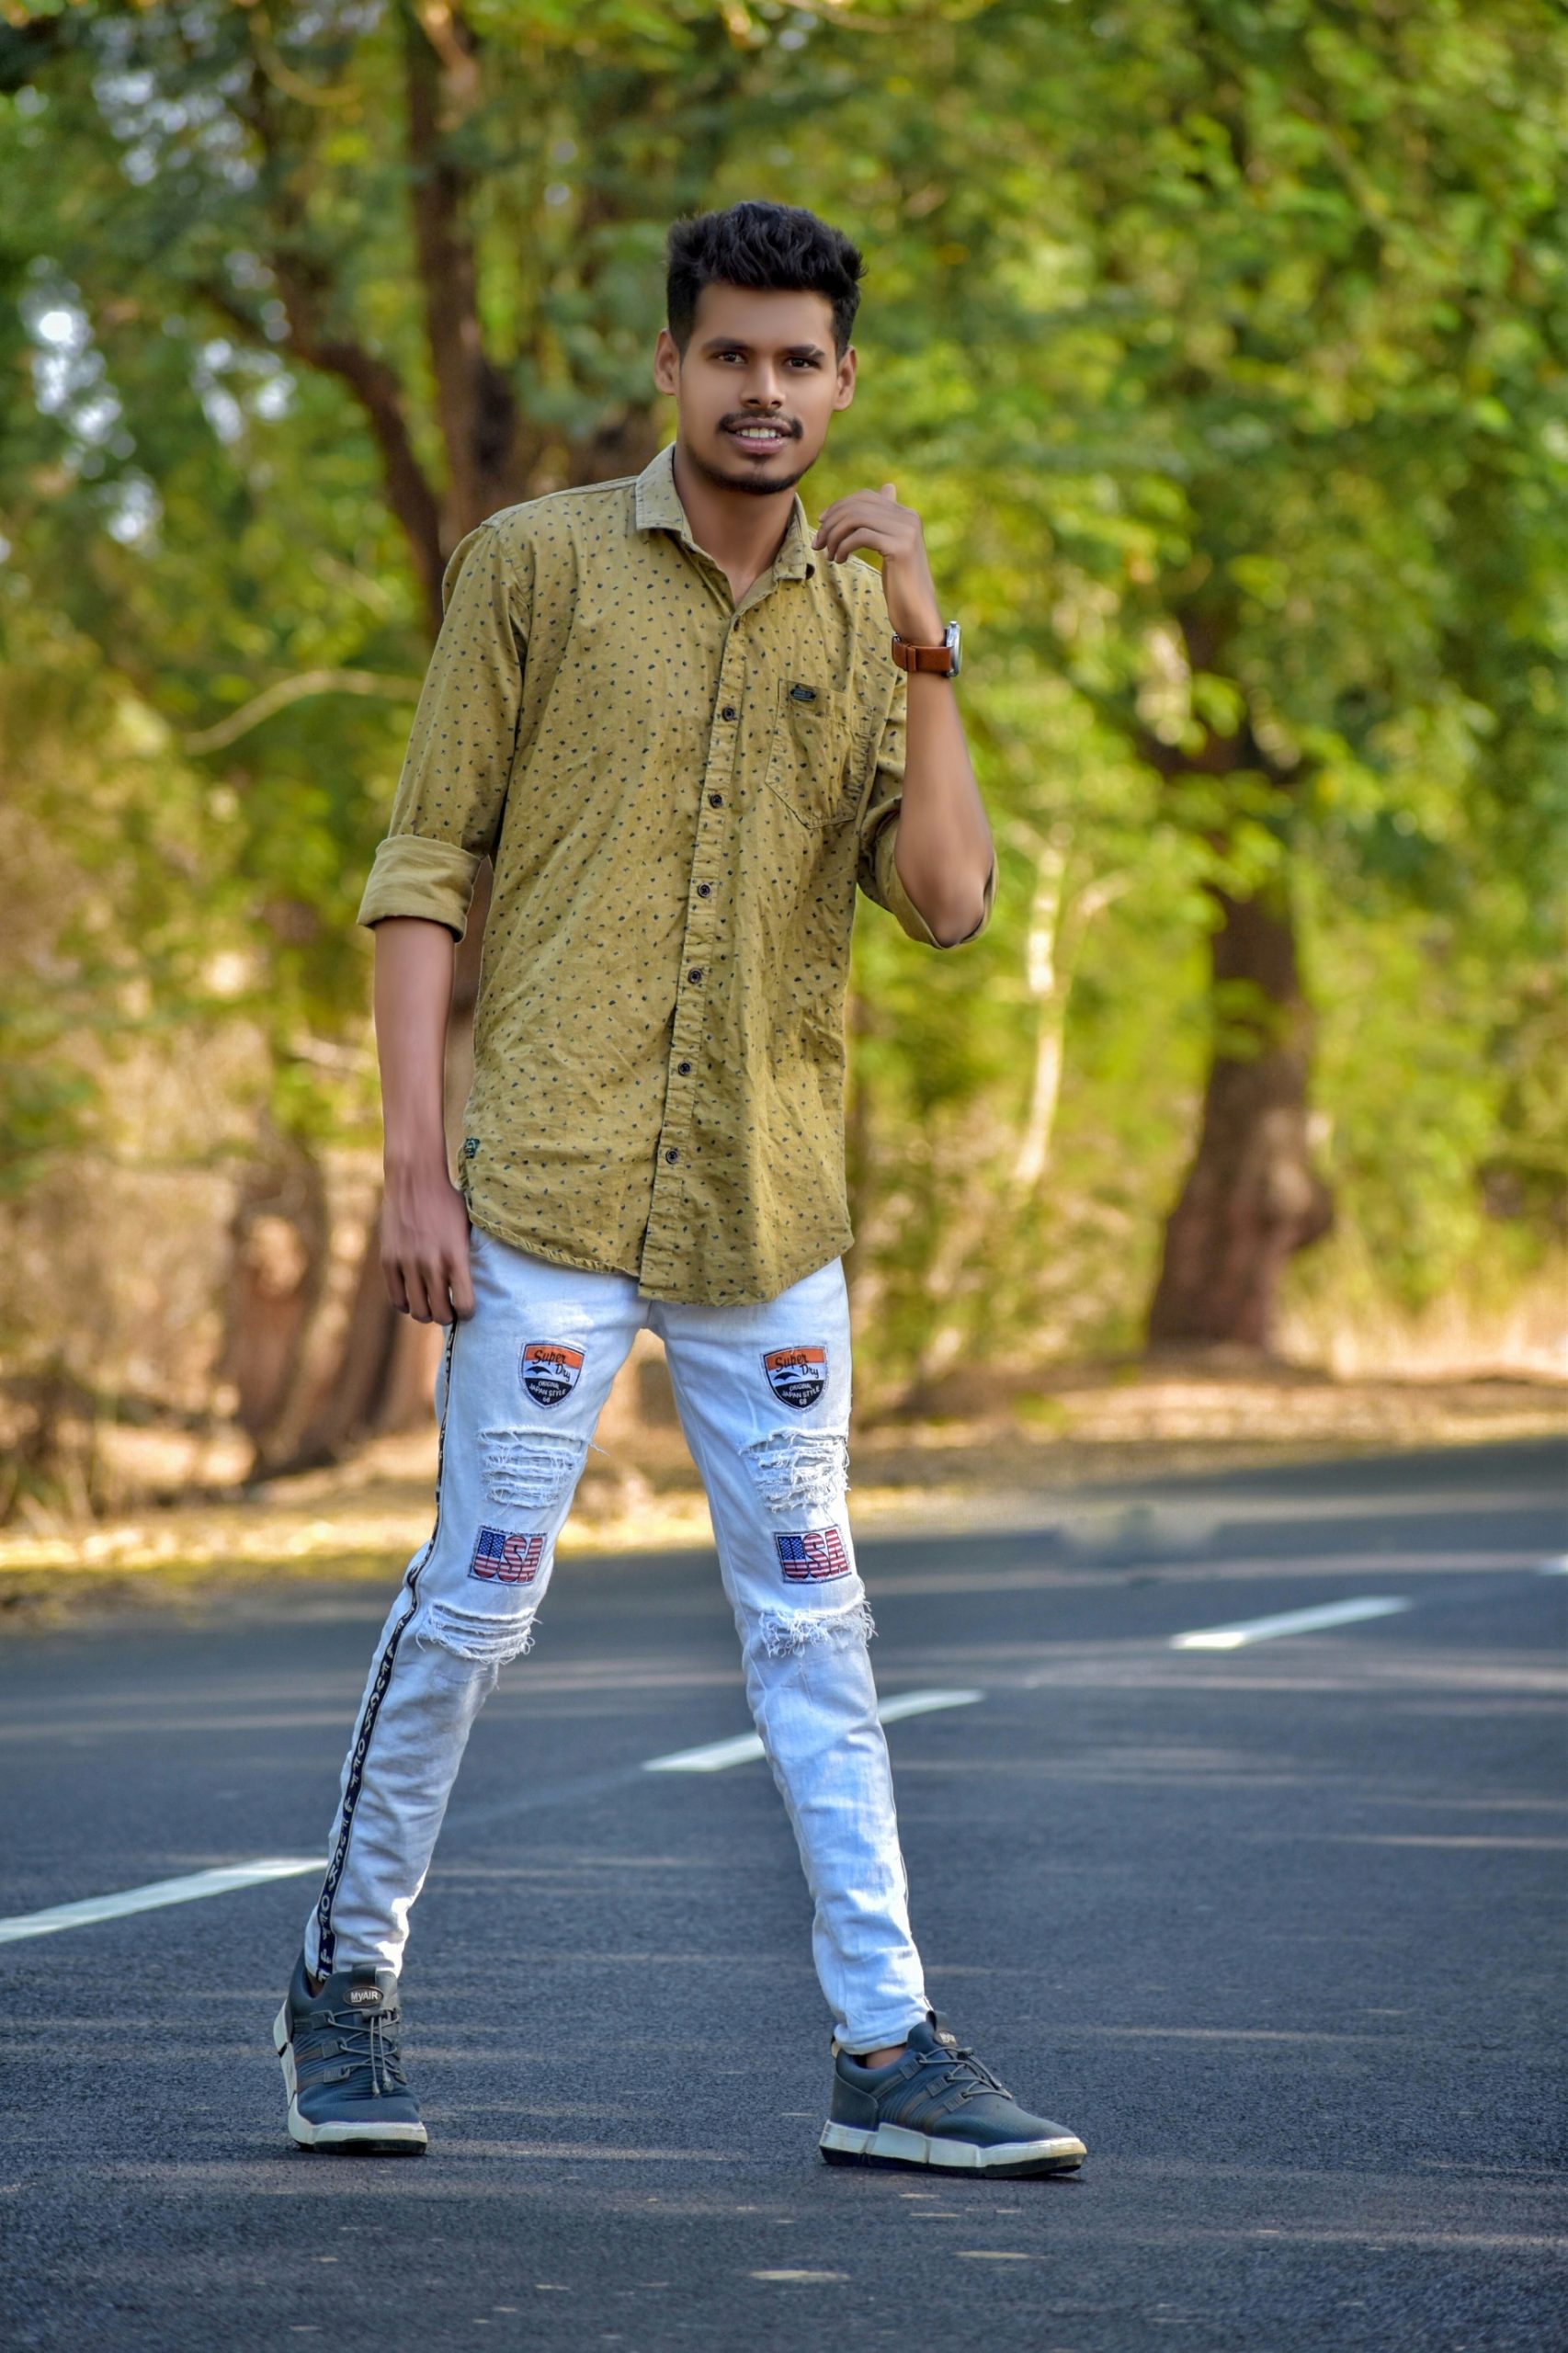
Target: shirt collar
{"type": "Point", "coordinates": [657, 507]}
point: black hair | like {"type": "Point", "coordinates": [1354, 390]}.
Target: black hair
{"type": "Point", "coordinates": [779, 248]}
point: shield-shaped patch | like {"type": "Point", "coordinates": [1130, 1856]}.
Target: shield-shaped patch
{"type": "Point", "coordinates": [796, 1376]}
{"type": "Point", "coordinates": [550, 1370]}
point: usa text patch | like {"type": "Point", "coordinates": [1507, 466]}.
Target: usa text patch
{"type": "Point", "coordinates": [550, 1370]}
{"type": "Point", "coordinates": [502, 1558]}
{"type": "Point", "coordinates": [815, 1553]}
{"type": "Point", "coordinates": [796, 1376]}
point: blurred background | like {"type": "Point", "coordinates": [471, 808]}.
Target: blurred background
{"type": "Point", "coordinates": [1223, 348]}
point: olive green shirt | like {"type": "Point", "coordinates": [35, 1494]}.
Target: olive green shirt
{"type": "Point", "coordinates": [679, 794]}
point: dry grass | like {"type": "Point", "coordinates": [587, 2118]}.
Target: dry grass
{"type": "Point", "coordinates": [1003, 1463]}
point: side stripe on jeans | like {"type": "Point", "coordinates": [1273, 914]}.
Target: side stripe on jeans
{"type": "Point", "coordinates": [326, 1940]}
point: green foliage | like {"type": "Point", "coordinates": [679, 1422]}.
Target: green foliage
{"type": "Point", "coordinates": [1222, 347]}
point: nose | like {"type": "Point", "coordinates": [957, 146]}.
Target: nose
{"type": "Point", "coordinates": [765, 389]}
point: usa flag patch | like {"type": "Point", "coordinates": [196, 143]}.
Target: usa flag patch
{"type": "Point", "coordinates": [810, 1557]}
{"type": "Point", "coordinates": [502, 1558]}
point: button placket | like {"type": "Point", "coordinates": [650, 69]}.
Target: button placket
{"type": "Point", "coordinates": [700, 941]}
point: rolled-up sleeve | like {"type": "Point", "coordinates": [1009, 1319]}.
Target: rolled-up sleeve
{"type": "Point", "coordinates": [452, 791]}
{"type": "Point", "coordinates": [878, 873]}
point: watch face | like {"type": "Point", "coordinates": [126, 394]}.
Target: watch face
{"type": "Point", "coordinates": [952, 639]}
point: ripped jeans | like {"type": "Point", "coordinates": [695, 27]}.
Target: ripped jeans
{"type": "Point", "coordinates": [763, 1394]}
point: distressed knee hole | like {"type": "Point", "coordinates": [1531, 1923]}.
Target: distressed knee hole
{"type": "Point", "coordinates": [529, 1470]}
{"type": "Point", "coordinates": [799, 1468]}
{"type": "Point", "coordinates": [787, 1633]}
{"type": "Point", "coordinates": [475, 1634]}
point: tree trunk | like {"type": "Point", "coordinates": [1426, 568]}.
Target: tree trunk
{"type": "Point", "coordinates": [1252, 1197]}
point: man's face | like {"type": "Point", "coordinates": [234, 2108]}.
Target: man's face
{"type": "Point", "coordinates": [756, 387]}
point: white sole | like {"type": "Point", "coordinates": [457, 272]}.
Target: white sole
{"type": "Point", "coordinates": [391, 2137]}
{"type": "Point", "coordinates": [893, 2144]}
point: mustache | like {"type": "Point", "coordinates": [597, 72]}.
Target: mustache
{"type": "Point", "coordinates": [779, 423]}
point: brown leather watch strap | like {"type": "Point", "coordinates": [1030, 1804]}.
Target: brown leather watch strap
{"type": "Point", "coordinates": [943, 659]}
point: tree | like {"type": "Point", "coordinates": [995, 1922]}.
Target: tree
{"type": "Point", "coordinates": [479, 287]}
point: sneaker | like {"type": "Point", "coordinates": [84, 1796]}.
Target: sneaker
{"type": "Point", "coordinates": [937, 2106]}
{"type": "Point", "coordinates": [342, 2065]}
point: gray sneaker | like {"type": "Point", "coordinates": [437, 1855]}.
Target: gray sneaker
{"type": "Point", "coordinates": [343, 2067]}
{"type": "Point", "coordinates": [937, 2106]}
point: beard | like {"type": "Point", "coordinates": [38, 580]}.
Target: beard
{"type": "Point", "coordinates": [753, 481]}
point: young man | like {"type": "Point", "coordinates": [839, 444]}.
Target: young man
{"type": "Point", "coordinates": [674, 718]}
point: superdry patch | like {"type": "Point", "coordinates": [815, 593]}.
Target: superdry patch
{"type": "Point", "coordinates": [502, 1558]}
{"type": "Point", "coordinates": [796, 1376]}
{"type": "Point", "coordinates": [550, 1370]}
{"type": "Point", "coordinates": [815, 1553]}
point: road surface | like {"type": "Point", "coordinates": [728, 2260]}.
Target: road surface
{"type": "Point", "coordinates": [1274, 1918]}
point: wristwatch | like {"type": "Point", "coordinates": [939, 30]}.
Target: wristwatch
{"type": "Point", "coordinates": [944, 659]}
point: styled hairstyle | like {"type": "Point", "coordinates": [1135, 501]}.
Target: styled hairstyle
{"type": "Point", "coordinates": [778, 249]}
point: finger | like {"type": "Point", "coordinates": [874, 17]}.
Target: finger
{"type": "Point", "coordinates": [397, 1289]}
{"type": "Point", "coordinates": [417, 1279]}
{"type": "Point", "coordinates": [843, 510]}
{"type": "Point", "coordinates": [462, 1290]}
{"type": "Point", "coordinates": [842, 530]}
{"type": "Point", "coordinates": [878, 541]}
{"type": "Point", "coordinates": [889, 492]}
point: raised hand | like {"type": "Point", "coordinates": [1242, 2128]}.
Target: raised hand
{"type": "Point", "coordinates": [873, 519]}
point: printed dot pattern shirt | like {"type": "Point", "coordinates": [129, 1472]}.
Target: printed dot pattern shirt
{"type": "Point", "coordinates": [680, 794]}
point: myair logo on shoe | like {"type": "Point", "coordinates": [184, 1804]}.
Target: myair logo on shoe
{"type": "Point", "coordinates": [365, 1998]}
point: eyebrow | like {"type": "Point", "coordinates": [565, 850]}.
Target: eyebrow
{"type": "Point", "coordinates": [789, 351]}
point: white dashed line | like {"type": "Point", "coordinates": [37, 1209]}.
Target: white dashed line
{"type": "Point", "coordinates": [745, 1748]}
{"type": "Point", "coordinates": [1291, 1621]}
{"type": "Point", "coordinates": [223, 1881]}
{"type": "Point", "coordinates": [156, 1893]}
{"type": "Point", "coordinates": [1556, 1568]}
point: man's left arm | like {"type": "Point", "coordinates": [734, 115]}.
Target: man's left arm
{"type": "Point", "coordinates": [942, 845]}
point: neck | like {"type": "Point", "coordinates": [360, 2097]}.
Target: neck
{"type": "Point", "coordinates": [742, 531]}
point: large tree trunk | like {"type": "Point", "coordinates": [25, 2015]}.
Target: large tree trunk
{"type": "Point", "coordinates": [1251, 1198]}
{"type": "Point", "coordinates": [494, 455]}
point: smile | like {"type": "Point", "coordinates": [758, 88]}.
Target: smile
{"type": "Point", "coordinates": [761, 437]}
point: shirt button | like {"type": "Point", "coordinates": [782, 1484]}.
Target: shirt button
{"type": "Point", "coordinates": [684, 1069]}
{"type": "Point", "coordinates": [672, 1154]}
{"type": "Point", "coordinates": [729, 711]}
{"type": "Point", "coordinates": [715, 800]}
{"type": "Point", "coordinates": [695, 974]}
{"type": "Point", "coordinates": [705, 890]}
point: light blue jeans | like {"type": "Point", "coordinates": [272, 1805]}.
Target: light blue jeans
{"type": "Point", "coordinates": [763, 1394]}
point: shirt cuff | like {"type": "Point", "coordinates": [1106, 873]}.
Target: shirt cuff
{"type": "Point", "coordinates": [412, 876]}
{"type": "Point", "coordinates": [899, 904]}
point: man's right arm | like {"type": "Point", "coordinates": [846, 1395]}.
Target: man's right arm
{"type": "Point", "coordinates": [423, 1217]}
{"type": "Point", "coordinates": [444, 821]}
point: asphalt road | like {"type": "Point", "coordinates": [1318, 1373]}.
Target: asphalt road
{"type": "Point", "coordinates": [1277, 1928]}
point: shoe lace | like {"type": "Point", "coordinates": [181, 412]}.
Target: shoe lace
{"type": "Point", "coordinates": [969, 2076]}
{"type": "Point", "coordinates": [367, 2038]}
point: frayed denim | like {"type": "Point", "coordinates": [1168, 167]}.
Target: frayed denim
{"type": "Point", "coordinates": [763, 1393]}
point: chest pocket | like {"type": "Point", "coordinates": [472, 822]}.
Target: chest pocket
{"type": "Point", "coordinates": [809, 766]}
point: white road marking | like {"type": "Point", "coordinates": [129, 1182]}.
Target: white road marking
{"type": "Point", "coordinates": [155, 1894]}
{"type": "Point", "coordinates": [1558, 1568]}
{"type": "Point", "coordinates": [225, 1880]}
{"type": "Point", "coordinates": [1291, 1621]}
{"type": "Point", "coordinates": [745, 1748]}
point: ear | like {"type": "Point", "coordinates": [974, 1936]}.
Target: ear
{"type": "Point", "coordinates": [666, 362]}
{"type": "Point", "coordinates": [844, 389]}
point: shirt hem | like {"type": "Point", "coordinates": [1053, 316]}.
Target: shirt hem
{"type": "Point", "coordinates": [795, 1270]}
